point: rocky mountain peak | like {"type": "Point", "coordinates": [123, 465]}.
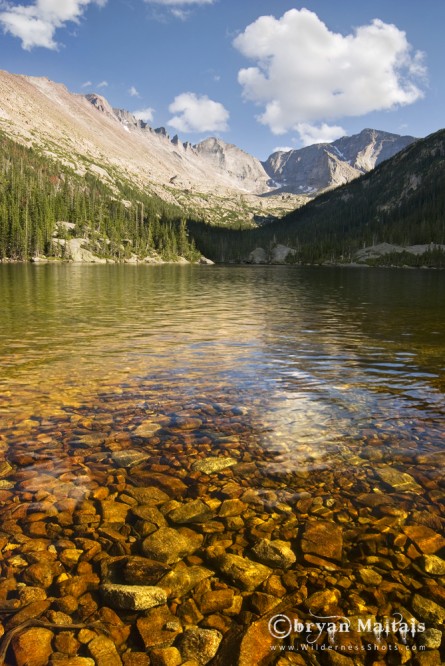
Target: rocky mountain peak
{"type": "Point", "coordinates": [100, 103]}
{"type": "Point", "coordinates": [325, 165]}
{"type": "Point", "coordinates": [239, 165]}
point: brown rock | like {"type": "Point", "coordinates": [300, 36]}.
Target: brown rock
{"type": "Point", "coordinates": [143, 571]}
{"type": "Point", "coordinates": [166, 657]}
{"type": "Point", "coordinates": [116, 629]}
{"type": "Point", "coordinates": [146, 429]}
{"type": "Point", "coordinates": [434, 565]}
{"type": "Point", "coordinates": [40, 575]}
{"type": "Point", "coordinates": [183, 579]}
{"type": "Point", "coordinates": [274, 586]}
{"type": "Point", "coordinates": [216, 600]}
{"type": "Point", "coordinates": [261, 603]}
{"type": "Point", "coordinates": [195, 511]}
{"type": "Point", "coordinates": [323, 600]}
{"type": "Point", "coordinates": [221, 623]}
{"type": "Point", "coordinates": [150, 514]}
{"type": "Point", "coordinates": [114, 512]}
{"type": "Point", "coordinates": [29, 594]}
{"type": "Point", "coordinates": [200, 644]}
{"type": "Point", "coordinates": [85, 636]}
{"type": "Point", "coordinates": [70, 556]}
{"type": "Point", "coordinates": [400, 481]}
{"type": "Point", "coordinates": [66, 642]}
{"type": "Point", "coordinates": [136, 659]}
{"type": "Point", "coordinates": [31, 611]}
{"type": "Point", "coordinates": [256, 645]}
{"type": "Point", "coordinates": [169, 546]}
{"type": "Point", "coordinates": [171, 485]}
{"type": "Point", "coordinates": [324, 539]}
{"type": "Point", "coordinates": [276, 554]}
{"type": "Point", "coordinates": [231, 508]}
{"type": "Point", "coordinates": [148, 495]}
{"type": "Point", "coordinates": [158, 628]}
{"type": "Point", "coordinates": [242, 571]}
{"type": "Point", "coordinates": [67, 604]}
{"type": "Point", "coordinates": [32, 647]}
{"type": "Point", "coordinates": [429, 658]}
{"type": "Point", "coordinates": [427, 610]}
{"type": "Point", "coordinates": [76, 586]}
{"type": "Point", "coordinates": [104, 652]}
{"type": "Point", "coordinates": [426, 540]}
{"type": "Point", "coordinates": [189, 612]}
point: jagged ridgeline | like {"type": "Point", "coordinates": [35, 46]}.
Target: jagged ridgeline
{"type": "Point", "coordinates": [402, 202]}
{"type": "Point", "coordinates": [43, 203]}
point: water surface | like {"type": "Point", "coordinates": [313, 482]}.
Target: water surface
{"type": "Point", "coordinates": [315, 357]}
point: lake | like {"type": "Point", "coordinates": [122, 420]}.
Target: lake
{"type": "Point", "coordinates": [298, 405]}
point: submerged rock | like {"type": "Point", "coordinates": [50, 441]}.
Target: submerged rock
{"type": "Point", "coordinates": [242, 571]}
{"type": "Point", "coordinates": [168, 545]}
{"type": "Point", "coordinates": [129, 457]}
{"type": "Point", "coordinates": [158, 628]}
{"type": "Point", "coordinates": [195, 511]}
{"type": "Point", "coordinates": [274, 553]}
{"type": "Point", "coordinates": [213, 465]}
{"type": "Point", "coordinates": [324, 539]}
{"type": "Point", "coordinates": [400, 481]}
{"type": "Point", "coordinates": [434, 565]}
{"type": "Point", "coordinates": [427, 610]}
{"type": "Point", "coordinates": [32, 647]}
{"type": "Point", "coordinates": [425, 538]}
{"type": "Point", "coordinates": [133, 597]}
{"type": "Point", "coordinates": [200, 645]}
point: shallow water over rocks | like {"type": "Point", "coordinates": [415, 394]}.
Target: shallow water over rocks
{"type": "Point", "coordinates": [190, 452]}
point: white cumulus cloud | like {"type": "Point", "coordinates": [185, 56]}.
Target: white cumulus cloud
{"type": "Point", "coordinates": [147, 115]}
{"type": "Point", "coordinates": [198, 113]}
{"type": "Point", "coordinates": [103, 84]}
{"type": "Point", "coordinates": [324, 133]}
{"type": "Point", "coordinates": [305, 75]}
{"type": "Point", "coordinates": [36, 24]}
{"type": "Point", "coordinates": [133, 92]}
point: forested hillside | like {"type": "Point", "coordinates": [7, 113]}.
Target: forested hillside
{"type": "Point", "coordinates": [37, 194]}
{"type": "Point", "coordinates": [401, 202]}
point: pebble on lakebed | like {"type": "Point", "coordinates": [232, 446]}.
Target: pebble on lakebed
{"type": "Point", "coordinates": [173, 539]}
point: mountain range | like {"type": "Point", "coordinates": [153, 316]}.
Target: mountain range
{"type": "Point", "coordinates": [320, 167]}
{"type": "Point", "coordinates": [84, 180]}
{"type": "Point", "coordinates": [392, 215]}
{"type": "Point", "coordinates": [212, 180]}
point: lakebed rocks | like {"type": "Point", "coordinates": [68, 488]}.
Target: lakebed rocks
{"type": "Point", "coordinates": [173, 538]}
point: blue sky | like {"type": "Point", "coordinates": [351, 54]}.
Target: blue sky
{"type": "Point", "coordinates": [258, 74]}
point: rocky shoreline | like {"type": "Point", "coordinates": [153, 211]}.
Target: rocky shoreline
{"type": "Point", "coordinates": [135, 535]}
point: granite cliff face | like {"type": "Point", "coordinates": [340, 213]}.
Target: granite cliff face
{"type": "Point", "coordinates": [324, 166]}
{"type": "Point", "coordinates": [229, 159]}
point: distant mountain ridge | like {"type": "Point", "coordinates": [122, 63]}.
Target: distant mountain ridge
{"type": "Point", "coordinates": [308, 171]}
{"type": "Point", "coordinates": [323, 166]}
{"type": "Point", "coordinates": [212, 180]}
